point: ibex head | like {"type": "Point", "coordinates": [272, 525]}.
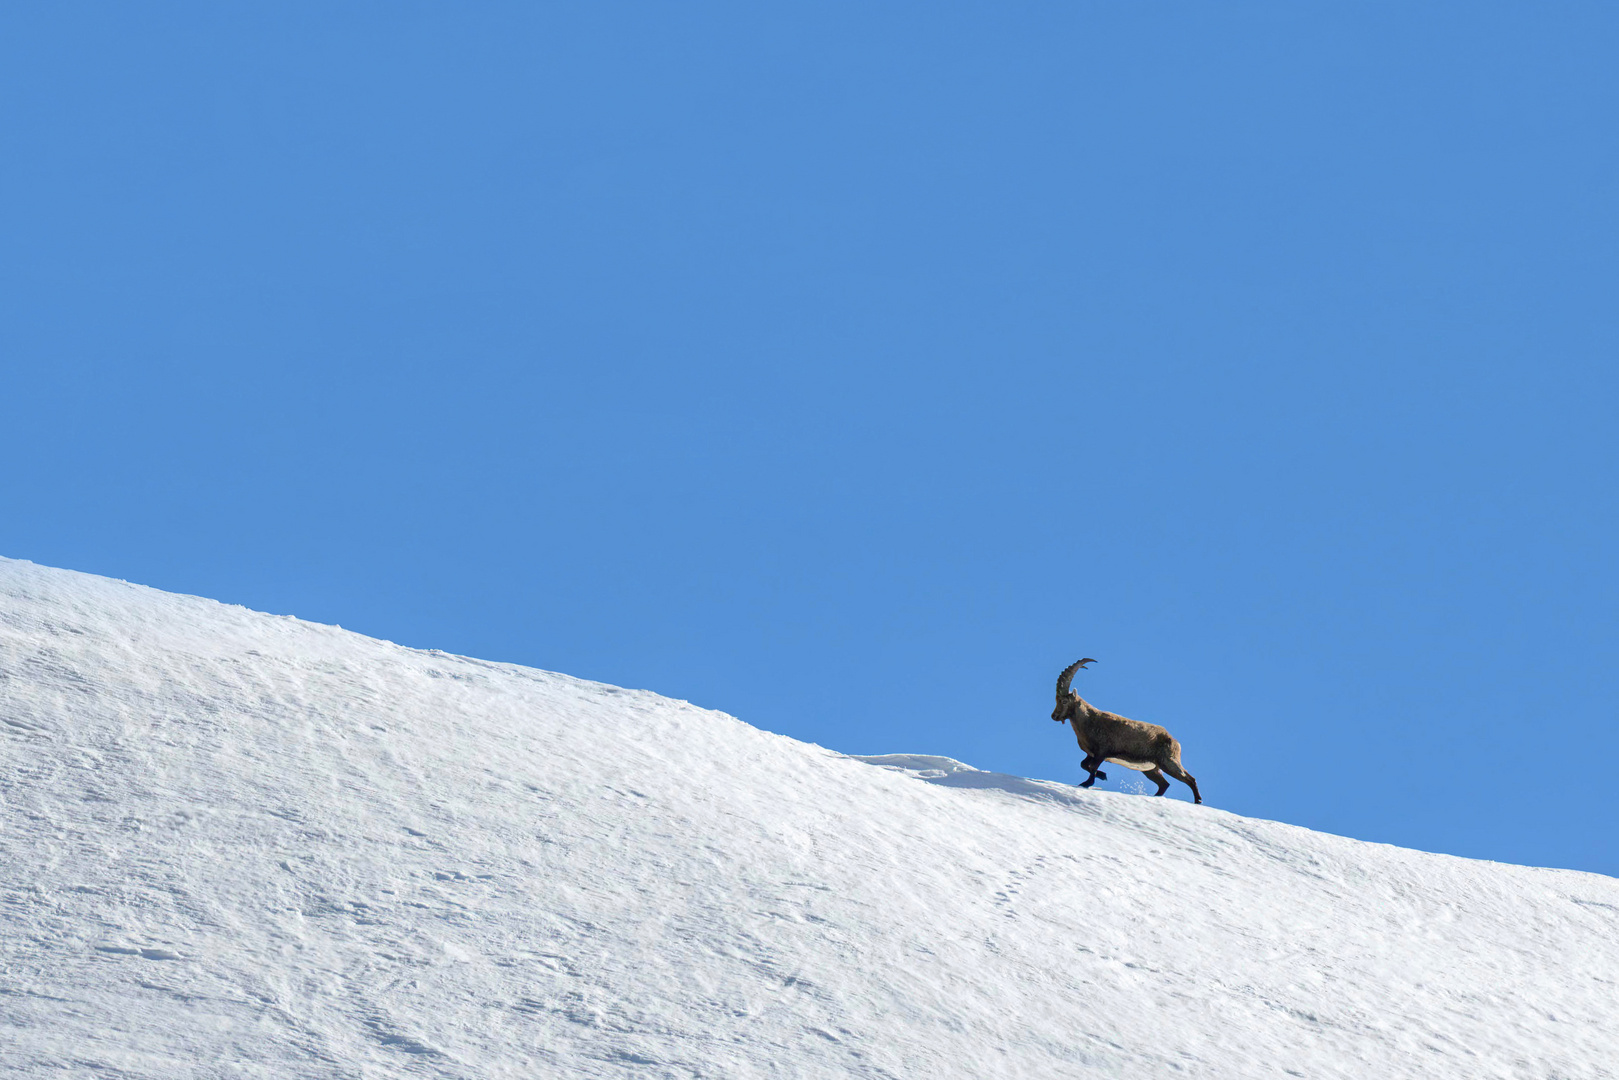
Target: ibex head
{"type": "Point", "coordinates": [1066, 698]}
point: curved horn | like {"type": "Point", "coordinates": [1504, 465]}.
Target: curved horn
{"type": "Point", "coordinates": [1067, 675]}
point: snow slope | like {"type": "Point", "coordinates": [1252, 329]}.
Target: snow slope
{"type": "Point", "coordinates": [239, 845]}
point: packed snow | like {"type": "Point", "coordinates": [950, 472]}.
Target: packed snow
{"type": "Point", "coordinates": [241, 845]}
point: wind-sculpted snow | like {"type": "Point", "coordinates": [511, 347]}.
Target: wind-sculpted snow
{"type": "Point", "coordinates": [237, 845]}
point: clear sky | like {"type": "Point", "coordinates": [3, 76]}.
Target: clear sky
{"type": "Point", "coordinates": [853, 367]}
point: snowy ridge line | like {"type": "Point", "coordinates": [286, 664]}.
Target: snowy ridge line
{"type": "Point", "coordinates": [241, 845]}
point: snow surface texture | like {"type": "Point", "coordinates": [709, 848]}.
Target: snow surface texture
{"type": "Point", "coordinates": [239, 845]}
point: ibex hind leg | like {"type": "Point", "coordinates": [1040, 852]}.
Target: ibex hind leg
{"type": "Point", "coordinates": [1174, 769]}
{"type": "Point", "coordinates": [1157, 777]}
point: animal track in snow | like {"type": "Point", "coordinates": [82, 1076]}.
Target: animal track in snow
{"type": "Point", "coordinates": [1006, 895]}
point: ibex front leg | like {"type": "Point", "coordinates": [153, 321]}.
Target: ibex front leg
{"type": "Point", "coordinates": [1093, 765]}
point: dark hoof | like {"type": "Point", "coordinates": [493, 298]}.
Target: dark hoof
{"type": "Point", "coordinates": [1101, 776]}
{"type": "Point", "coordinates": [1089, 782]}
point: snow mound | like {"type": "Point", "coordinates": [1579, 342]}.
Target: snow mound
{"type": "Point", "coordinates": [238, 845]}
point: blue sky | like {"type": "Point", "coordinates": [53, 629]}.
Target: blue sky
{"type": "Point", "coordinates": [852, 368]}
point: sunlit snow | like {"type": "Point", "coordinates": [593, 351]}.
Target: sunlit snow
{"type": "Point", "coordinates": [240, 845]}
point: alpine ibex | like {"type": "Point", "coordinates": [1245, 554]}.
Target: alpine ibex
{"type": "Point", "coordinates": [1105, 736]}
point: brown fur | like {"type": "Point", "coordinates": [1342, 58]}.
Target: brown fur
{"type": "Point", "coordinates": [1106, 736]}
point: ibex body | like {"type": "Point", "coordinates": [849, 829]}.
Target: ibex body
{"type": "Point", "coordinates": [1105, 736]}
